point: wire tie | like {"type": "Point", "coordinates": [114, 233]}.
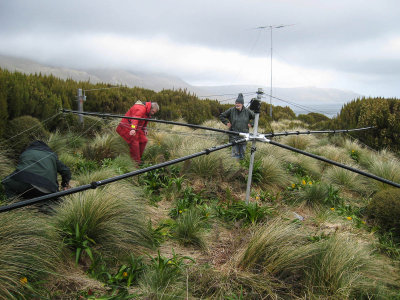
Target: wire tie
{"type": "Point", "coordinates": [94, 184]}
{"type": "Point", "coordinates": [208, 151]}
{"type": "Point", "coordinates": [286, 133]}
{"type": "Point", "coordinates": [253, 149]}
{"type": "Point", "coordinates": [298, 132]}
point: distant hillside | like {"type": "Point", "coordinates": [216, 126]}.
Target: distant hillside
{"type": "Point", "coordinates": [301, 99]}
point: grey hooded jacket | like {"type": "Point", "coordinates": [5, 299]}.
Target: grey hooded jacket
{"type": "Point", "coordinates": [238, 119]}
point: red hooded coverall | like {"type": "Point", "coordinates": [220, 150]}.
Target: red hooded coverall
{"type": "Point", "coordinates": [137, 143]}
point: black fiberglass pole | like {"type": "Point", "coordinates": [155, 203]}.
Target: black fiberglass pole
{"type": "Point", "coordinates": [335, 163]}
{"type": "Point", "coordinates": [96, 184]}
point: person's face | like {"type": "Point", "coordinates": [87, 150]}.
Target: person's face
{"type": "Point", "coordinates": [153, 111]}
{"type": "Point", "coordinates": [238, 106]}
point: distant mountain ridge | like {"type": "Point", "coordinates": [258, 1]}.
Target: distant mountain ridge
{"type": "Point", "coordinates": [300, 99]}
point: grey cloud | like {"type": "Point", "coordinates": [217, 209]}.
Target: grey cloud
{"type": "Point", "coordinates": [321, 27]}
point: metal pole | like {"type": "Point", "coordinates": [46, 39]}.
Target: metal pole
{"type": "Point", "coordinates": [253, 148]}
{"type": "Point", "coordinates": [80, 105]}
{"type": "Point", "coordinates": [270, 93]}
{"type": "Point", "coordinates": [96, 184]}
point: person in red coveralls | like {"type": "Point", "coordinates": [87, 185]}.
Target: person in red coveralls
{"type": "Point", "coordinates": [134, 131]}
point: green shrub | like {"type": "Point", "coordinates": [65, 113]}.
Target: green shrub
{"type": "Point", "coordinates": [91, 125]}
{"type": "Point", "coordinates": [384, 209]}
{"type": "Point", "coordinates": [22, 131]}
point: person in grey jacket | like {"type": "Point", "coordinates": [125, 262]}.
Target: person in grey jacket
{"type": "Point", "coordinates": [36, 175]}
{"type": "Point", "coordinates": [238, 118]}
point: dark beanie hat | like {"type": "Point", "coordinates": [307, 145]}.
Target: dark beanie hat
{"type": "Point", "coordinates": [240, 99]}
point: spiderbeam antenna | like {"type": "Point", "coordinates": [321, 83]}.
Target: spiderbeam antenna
{"type": "Point", "coordinates": [150, 120]}
{"type": "Point", "coordinates": [96, 184]}
{"type": "Point", "coordinates": [262, 138]}
{"type": "Point", "coordinates": [271, 134]}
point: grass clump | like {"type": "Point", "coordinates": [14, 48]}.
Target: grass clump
{"type": "Point", "coordinates": [239, 211]}
{"type": "Point", "coordinates": [164, 277]}
{"type": "Point", "coordinates": [188, 228]}
{"type": "Point", "coordinates": [345, 268]}
{"type": "Point", "coordinates": [272, 173]}
{"type": "Point", "coordinates": [342, 178]}
{"type": "Point", "coordinates": [301, 142]}
{"type": "Point", "coordinates": [6, 165]}
{"type": "Point", "coordinates": [106, 219]}
{"type": "Point", "coordinates": [320, 194]}
{"type": "Point", "coordinates": [28, 253]}
{"type": "Point", "coordinates": [384, 210]}
{"type": "Point", "coordinates": [104, 145]}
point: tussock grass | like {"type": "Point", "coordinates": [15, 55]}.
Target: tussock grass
{"type": "Point", "coordinates": [122, 164]}
{"type": "Point", "coordinates": [215, 165]}
{"type": "Point", "coordinates": [274, 248]}
{"type": "Point", "coordinates": [309, 165]}
{"type": "Point", "coordinates": [273, 173]}
{"type": "Point", "coordinates": [164, 278]}
{"type": "Point", "coordinates": [6, 165]}
{"type": "Point", "coordinates": [299, 141]}
{"type": "Point", "coordinates": [264, 149]}
{"type": "Point", "coordinates": [65, 143]}
{"type": "Point", "coordinates": [350, 145]}
{"type": "Point", "coordinates": [383, 164]}
{"type": "Point", "coordinates": [338, 266]}
{"type": "Point", "coordinates": [334, 153]}
{"type": "Point", "coordinates": [105, 145]}
{"type": "Point", "coordinates": [71, 161]}
{"type": "Point", "coordinates": [343, 178]}
{"type": "Point", "coordinates": [112, 216]}
{"type": "Point", "coordinates": [188, 229]}
{"type": "Point", "coordinates": [313, 195]}
{"type": "Point", "coordinates": [57, 142]}
{"type": "Point", "coordinates": [27, 250]}
{"type": "Point", "coordinates": [283, 125]}
{"type": "Point", "coordinates": [88, 177]}
{"type": "Point", "coordinates": [346, 268]}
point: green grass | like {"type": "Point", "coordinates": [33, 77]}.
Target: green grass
{"type": "Point", "coordinates": [274, 249]}
{"type": "Point", "coordinates": [28, 251]}
{"type": "Point", "coordinates": [342, 178]}
{"type": "Point", "coordinates": [6, 164]}
{"type": "Point", "coordinates": [217, 164]}
{"type": "Point", "coordinates": [299, 141]}
{"type": "Point", "coordinates": [387, 169]}
{"type": "Point", "coordinates": [338, 265]}
{"type": "Point", "coordinates": [111, 218]}
{"type": "Point", "coordinates": [273, 173]}
{"type": "Point", "coordinates": [104, 145]}
{"type": "Point", "coordinates": [189, 228]}
{"type": "Point", "coordinates": [346, 268]}
{"type": "Point", "coordinates": [164, 277]}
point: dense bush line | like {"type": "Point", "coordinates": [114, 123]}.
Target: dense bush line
{"type": "Point", "coordinates": [43, 96]}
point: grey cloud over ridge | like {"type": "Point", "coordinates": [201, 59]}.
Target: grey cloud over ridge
{"type": "Point", "coordinates": [353, 38]}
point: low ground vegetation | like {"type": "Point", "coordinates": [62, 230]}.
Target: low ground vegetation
{"type": "Point", "coordinates": [310, 230]}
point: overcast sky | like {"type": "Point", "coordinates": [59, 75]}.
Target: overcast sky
{"type": "Point", "coordinates": [344, 44]}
